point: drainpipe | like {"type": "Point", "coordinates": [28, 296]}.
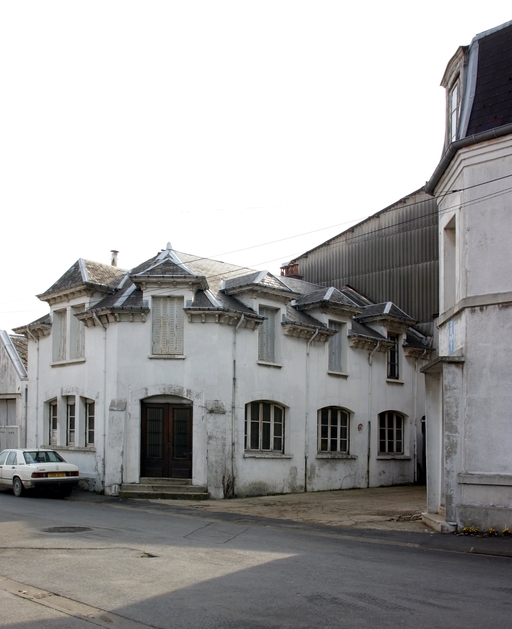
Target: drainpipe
{"type": "Point", "coordinates": [104, 398]}
{"type": "Point", "coordinates": [37, 394]}
{"type": "Point", "coordinates": [416, 415]}
{"type": "Point", "coordinates": [306, 418]}
{"type": "Point", "coordinates": [370, 385]}
{"type": "Point", "coordinates": [233, 405]}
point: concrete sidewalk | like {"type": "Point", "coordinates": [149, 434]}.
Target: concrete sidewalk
{"type": "Point", "coordinates": [395, 508]}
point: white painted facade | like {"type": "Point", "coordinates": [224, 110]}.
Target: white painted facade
{"type": "Point", "coordinates": [218, 374]}
{"type": "Point", "coordinates": [13, 394]}
{"type": "Point", "coordinates": [469, 393]}
{"type": "Point", "coordinates": [469, 432]}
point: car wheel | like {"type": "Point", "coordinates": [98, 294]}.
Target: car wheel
{"type": "Point", "coordinates": [17, 486]}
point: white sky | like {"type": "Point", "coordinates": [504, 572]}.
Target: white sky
{"type": "Point", "coordinates": [218, 126]}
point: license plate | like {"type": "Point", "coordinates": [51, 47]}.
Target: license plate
{"type": "Point", "coordinates": [53, 474]}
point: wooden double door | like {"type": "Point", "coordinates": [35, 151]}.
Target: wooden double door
{"type": "Point", "coordinates": [166, 440]}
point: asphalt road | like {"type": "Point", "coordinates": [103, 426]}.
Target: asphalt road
{"type": "Point", "coordinates": [139, 564]}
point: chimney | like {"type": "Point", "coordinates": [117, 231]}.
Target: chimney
{"type": "Point", "coordinates": [113, 259]}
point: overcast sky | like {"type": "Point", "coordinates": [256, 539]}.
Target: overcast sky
{"type": "Point", "coordinates": [249, 132]}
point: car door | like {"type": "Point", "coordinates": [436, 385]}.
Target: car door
{"type": "Point", "coordinates": [3, 458]}
{"type": "Point", "coordinates": [9, 468]}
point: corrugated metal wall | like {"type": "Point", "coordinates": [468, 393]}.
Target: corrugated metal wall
{"type": "Point", "coordinates": [391, 256]}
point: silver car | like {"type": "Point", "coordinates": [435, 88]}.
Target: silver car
{"type": "Point", "coordinates": [31, 469]}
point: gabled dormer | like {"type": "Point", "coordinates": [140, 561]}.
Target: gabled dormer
{"type": "Point", "coordinates": [454, 81]}
{"type": "Point", "coordinates": [257, 285]}
{"type": "Point", "coordinates": [166, 270]}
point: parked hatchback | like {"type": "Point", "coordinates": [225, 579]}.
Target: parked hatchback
{"type": "Point", "coordinates": [32, 469]}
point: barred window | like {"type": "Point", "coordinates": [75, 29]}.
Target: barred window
{"type": "Point", "coordinates": [264, 427]}
{"type": "Point", "coordinates": [333, 430]}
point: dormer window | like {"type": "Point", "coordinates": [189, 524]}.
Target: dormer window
{"type": "Point", "coordinates": [453, 111]}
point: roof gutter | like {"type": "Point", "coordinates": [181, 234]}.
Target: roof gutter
{"type": "Point", "coordinates": [451, 151]}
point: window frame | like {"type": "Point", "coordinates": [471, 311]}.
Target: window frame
{"type": "Point", "coordinates": [336, 348]}
{"type": "Point", "coordinates": [53, 423]}
{"type": "Point", "coordinates": [267, 335]}
{"type": "Point", "coordinates": [88, 416]}
{"type": "Point", "coordinates": [71, 408]}
{"type": "Point", "coordinates": [167, 325]}
{"type": "Point", "coordinates": [263, 418]}
{"type": "Point", "coordinates": [391, 433]}
{"type": "Point", "coordinates": [342, 424]}
{"type": "Point", "coordinates": [393, 357]}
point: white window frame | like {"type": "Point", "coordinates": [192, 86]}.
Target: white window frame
{"type": "Point", "coordinates": [264, 427]}
{"type": "Point", "coordinates": [71, 408]}
{"type": "Point", "coordinates": [90, 415]}
{"type": "Point", "coordinates": [391, 433]}
{"type": "Point", "coordinates": [53, 423]}
{"type": "Point", "coordinates": [168, 326]}
{"type": "Point", "coordinates": [453, 110]}
{"type": "Point", "coordinates": [68, 335]}
{"type": "Point", "coordinates": [334, 430]}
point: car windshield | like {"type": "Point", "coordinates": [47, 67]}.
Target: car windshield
{"type": "Point", "coordinates": [42, 456]}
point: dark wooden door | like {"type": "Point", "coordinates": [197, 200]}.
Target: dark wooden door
{"type": "Point", "coordinates": [166, 441]}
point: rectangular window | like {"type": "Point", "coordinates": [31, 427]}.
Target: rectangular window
{"type": "Point", "coordinates": [454, 111]}
{"type": "Point", "coordinates": [393, 357]}
{"type": "Point", "coordinates": [53, 424]}
{"type": "Point", "coordinates": [70, 422]}
{"type": "Point", "coordinates": [264, 427]}
{"type": "Point", "coordinates": [267, 335]}
{"type": "Point", "coordinates": [168, 323]}
{"type": "Point", "coordinates": [333, 434]}
{"type": "Point", "coordinates": [391, 433]}
{"type": "Point", "coordinates": [89, 423]}
{"type": "Point", "coordinates": [77, 334]}
{"type": "Point", "coordinates": [59, 335]}
{"type": "Point", "coordinates": [336, 347]}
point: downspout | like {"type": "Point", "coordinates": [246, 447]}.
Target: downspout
{"type": "Point", "coordinates": [370, 386]}
{"type": "Point", "coordinates": [104, 398]}
{"type": "Point", "coordinates": [416, 415]}
{"type": "Point", "coordinates": [306, 417]}
{"type": "Point", "coordinates": [37, 394]}
{"type": "Point", "coordinates": [233, 408]}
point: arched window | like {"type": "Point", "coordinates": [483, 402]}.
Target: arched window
{"type": "Point", "coordinates": [391, 433]}
{"type": "Point", "coordinates": [333, 430]}
{"type": "Point", "coordinates": [264, 427]}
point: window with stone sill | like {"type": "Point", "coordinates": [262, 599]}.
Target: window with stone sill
{"type": "Point", "coordinates": [333, 430]}
{"type": "Point", "coordinates": [264, 427]}
{"type": "Point", "coordinates": [391, 433]}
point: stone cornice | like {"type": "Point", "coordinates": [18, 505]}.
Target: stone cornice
{"type": "Point", "coordinates": [307, 332]}
{"type": "Point", "coordinates": [222, 317]}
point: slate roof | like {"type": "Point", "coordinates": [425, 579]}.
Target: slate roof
{"type": "Point", "coordinates": [359, 329]}
{"type": "Point", "coordinates": [299, 317]}
{"type": "Point", "coordinates": [88, 273]}
{"type": "Point", "coordinates": [327, 297]}
{"type": "Point", "coordinates": [262, 279]}
{"type": "Point", "coordinates": [386, 310]}
{"type": "Point", "coordinates": [492, 104]}
{"type": "Point", "coordinates": [21, 346]}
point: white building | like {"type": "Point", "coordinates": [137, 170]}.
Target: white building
{"type": "Point", "coordinates": [469, 428]}
{"type": "Point", "coordinates": [13, 390]}
{"type": "Point", "coordinates": [241, 381]}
